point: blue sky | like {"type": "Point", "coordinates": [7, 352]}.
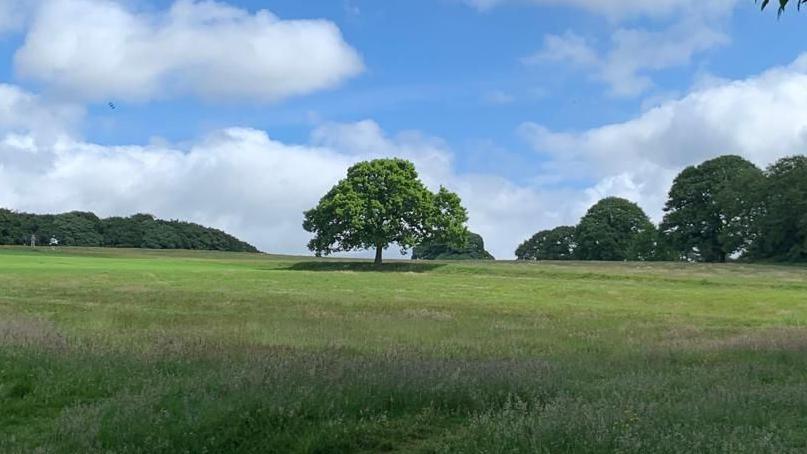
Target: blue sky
{"type": "Point", "coordinates": [439, 66]}
{"type": "Point", "coordinates": [529, 109]}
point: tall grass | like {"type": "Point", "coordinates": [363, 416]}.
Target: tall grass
{"type": "Point", "coordinates": [130, 352]}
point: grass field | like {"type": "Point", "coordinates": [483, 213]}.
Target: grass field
{"type": "Point", "coordinates": [142, 351]}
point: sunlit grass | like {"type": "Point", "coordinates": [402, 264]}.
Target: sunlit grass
{"type": "Point", "coordinates": [152, 351]}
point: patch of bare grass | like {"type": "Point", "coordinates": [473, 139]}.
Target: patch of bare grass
{"type": "Point", "coordinates": [429, 314]}
{"type": "Point", "coordinates": [771, 339]}
{"type": "Point", "coordinates": [781, 338]}
{"type": "Point", "coordinates": [20, 331]}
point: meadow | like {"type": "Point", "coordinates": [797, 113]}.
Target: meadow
{"type": "Point", "coordinates": [128, 351]}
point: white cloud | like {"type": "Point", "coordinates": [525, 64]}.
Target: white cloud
{"type": "Point", "coordinates": [569, 47]}
{"type": "Point", "coordinates": [761, 118]}
{"type": "Point", "coordinates": [366, 140]}
{"type": "Point", "coordinates": [237, 179]}
{"type": "Point", "coordinates": [99, 50]}
{"type": "Point", "coordinates": [23, 111]}
{"type": "Point", "coordinates": [632, 53]}
{"type": "Point", "coordinates": [618, 9]}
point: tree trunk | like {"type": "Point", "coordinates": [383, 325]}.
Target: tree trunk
{"type": "Point", "coordinates": [378, 251]}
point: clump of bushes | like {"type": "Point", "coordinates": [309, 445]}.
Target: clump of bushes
{"type": "Point", "coordinates": [474, 250]}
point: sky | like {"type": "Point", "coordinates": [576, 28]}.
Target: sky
{"type": "Point", "coordinates": [241, 114]}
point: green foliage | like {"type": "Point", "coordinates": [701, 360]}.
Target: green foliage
{"type": "Point", "coordinates": [138, 231]}
{"type": "Point", "coordinates": [382, 202]}
{"type": "Point", "coordinates": [474, 249]}
{"type": "Point", "coordinates": [782, 227]}
{"type": "Point", "coordinates": [615, 229]}
{"type": "Point", "coordinates": [559, 243]}
{"type": "Point", "coordinates": [77, 229]}
{"type": "Point", "coordinates": [725, 207]}
{"type": "Point", "coordinates": [783, 4]}
{"type": "Point", "coordinates": [161, 236]}
{"type": "Point", "coordinates": [126, 232]}
{"type": "Point", "coordinates": [712, 207]}
{"type": "Point", "coordinates": [663, 249]}
{"type": "Point", "coordinates": [11, 228]}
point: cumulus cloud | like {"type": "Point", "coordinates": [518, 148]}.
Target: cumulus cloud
{"type": "Point", "coordinates": [99, 50]}
{"type": "Point", "coordinates": [366, 140]}
{"type": "Point", "coordinates": [239, 180]}
{"type": "Point", "coordinates": [21, 111]}
{"type": "Point", "coordinates": [632, 53]}
{"type": "Point", "coordinates": [761, 118]}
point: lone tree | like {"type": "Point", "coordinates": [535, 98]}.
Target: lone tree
{"type": "Point", "coordinates": [383, 202]}
{"type": "Point", "coordinates": [712, 207]}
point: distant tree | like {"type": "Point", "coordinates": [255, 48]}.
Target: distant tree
{"type": "Point", "coordinates": [782, 226]}
{"type": "Point", "coordinates": [140, 230]}
{"type": "Point", "coordinates": [11, 228]}
{"type": "Point", "coordinates": [615, 229]}
{"type": "Point", "coordinates": [77, 229]}
{"type": "Point", "coordinates": [124, 232]}
{"type": "Point", "coordinates": [559, 243]}
{"type": "Point", "coordinates": [711, 209]}
{"type": "Point", "coordinates": [383, 202]}
{"type": "Point", "coordinates": [162, 235]}
{"type": "Point", "coordinates": [474, 249]}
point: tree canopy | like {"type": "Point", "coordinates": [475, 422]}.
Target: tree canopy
{"type": "Point", "coordinates": [615, 229]}
{"type": "Point", "coordinates": [559, 243]}
{"type": "Point", "coordinates": [720, 209]}
{"type": "Point", "coordinates": [711, 208]}
{"type": "Point", "coordinates": [781, 230]}
{"type": "Point", "coordinates": [138, 231]}
{"type": "Point", "coordinates": [382, 202]}
{"type": "Point", "coordinates": [474, 249]}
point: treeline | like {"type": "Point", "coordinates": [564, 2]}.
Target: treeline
{"type": "Point", "coordinates": [725, 208]}
{"type": "Point", "coordinates": [139, 231]}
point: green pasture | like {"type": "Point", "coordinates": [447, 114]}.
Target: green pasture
{"type": "Point", "coordinates": [105, 350]}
